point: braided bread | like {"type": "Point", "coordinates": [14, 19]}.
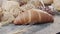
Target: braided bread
{"type": "Point", "coordinates": [33, 16]}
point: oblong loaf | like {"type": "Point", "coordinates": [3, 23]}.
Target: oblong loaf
{"type": "Point", "coordinates": [33, 16]}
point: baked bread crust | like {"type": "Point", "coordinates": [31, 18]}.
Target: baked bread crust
{"type": "Point", "coordinates": [33, 16]}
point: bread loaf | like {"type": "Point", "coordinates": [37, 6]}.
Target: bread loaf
{"type": "Point", "coordinates": [33, 16]}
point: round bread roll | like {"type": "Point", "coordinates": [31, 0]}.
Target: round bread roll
{"type": "Point", "coordinates": [15, 11]}
{"type": "Point", "coordinates": [1, 1]}
{"type": "Point", "coordinates": [56, 4]}
{"type": "Point", "coordinates": [36, 3]}
{"type": "Point", "coordinates": [21, 2]}
{"type": "Point", "coordinates": [31, 4]}
{"type": "Point", "coordinates": [27, 7]}
{"type": "Point", "coordinates": [7, 18]}
{"type": "Point", "coordinates": [47, 1]}
{"type": "Point", "coordinates": [33, 16]}
{"type": "Point", "coordinates": [11, 7]}
{"type": "Point", "coordinates": [7, 5]}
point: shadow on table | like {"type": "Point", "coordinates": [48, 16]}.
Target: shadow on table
{"type": "Point", "coordinates": [34, 28]}
{"type": "Point", "coordinates": [30, 29]}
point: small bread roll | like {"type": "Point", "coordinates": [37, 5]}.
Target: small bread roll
{"type": "Point", "coordinates": [56, 4]}
{"type": "Point", "coordinates": [36, 3]}
{"type": "Point", "coordinates": [33, 16]}
{"type": "Point", "coordinates": [27, 7]}
{"type": "Point", "coordinates": [31, 4]}
{"type": "Point", "coordinates": [7, 18]}
{"type": "Point", "coordinates": [25, 1]}
{"type": "Point", "coordinates": [21, 2]}
{"type": "Point", "coordinates": [7, 5]}
{"type": "Point", "coordinates": [47, 1]}
{"type": "Point", "coordinates": [12, 7]}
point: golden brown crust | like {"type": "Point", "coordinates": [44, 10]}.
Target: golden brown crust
{"type": "Point", "coordinates": [33, 16]}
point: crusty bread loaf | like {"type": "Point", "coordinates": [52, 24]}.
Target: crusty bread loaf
{"type": "Point", "coordinates": [33, 16]}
